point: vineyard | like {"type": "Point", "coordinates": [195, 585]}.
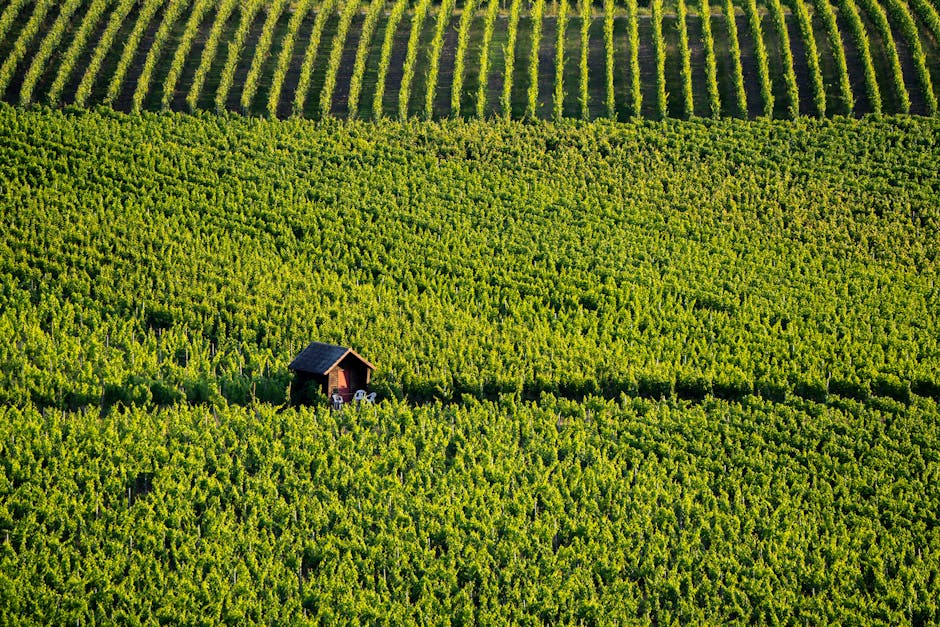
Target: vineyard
{"type": "Point", "coordinates": [651, 288]}
{"type": "Point", "coordinates": [373, 59]}
{"type": "Point", "coordinates": [649, 372]}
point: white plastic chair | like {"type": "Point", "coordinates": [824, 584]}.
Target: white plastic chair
{"type": "Point", "coordinates": [337, 402]}
{"type": "Point", "coordinates": [359, 396]}
{"type": "Point", "coordinates": [370, 398]}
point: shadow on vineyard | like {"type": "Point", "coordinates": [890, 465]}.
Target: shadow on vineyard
{"type": "Point", "coordinates": [138, 391]}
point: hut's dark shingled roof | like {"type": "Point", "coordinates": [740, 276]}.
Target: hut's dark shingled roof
{"type": "Point", "coordinates": [318, 358]}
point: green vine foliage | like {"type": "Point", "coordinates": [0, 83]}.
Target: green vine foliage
{"type": "Point", "coordinates": [778, 18]}
{"type": "Point", "coordinates": [610, 99]}
{"type": "Point", "coordinates": [489, 22]}
{"type": "Point", "coordinates": [246, 515]}
{"type": "Point", "coordinates": [532, 93]}
{"type": "Point", "coordinates": [349, 11]}
{"type": "Point", "coordinates": [220, 254]}
{"type": "Point", "coordinates": [260, 54]}
{"type": "Point", "coordinates": [444, 16]}
{"type": "Point", "coordinates": [411, 58]}
{"type": "Point", "coordinates": [246, 16]}
{"type": "Point", "coordinates": [209, 52]}
{"type": "Point", "coordinates": [685, 57]}
{"type": "Point", "coordinates": [659, 47]}
{"type": "Point", "coordinates": [633, 44]}
{"type": "Point", "coordinates": [394, 18]}
{"type": "Point", "coordinates": [711, 66]}
{"type": "Point", "coordinates": [324, 11]}
{"type": "Point", "coordinates": [290, 41]}
{"type": "Point", "coordinates": [147, 11]}
{"type": "Point", "coordinates": [798, 9]}
{"type": "Point", "coordinates": [760, 50]}
{"type": "Point", "coordinates": [740, 94]}
{"type": "Point", "coordinates": [79, 42]}
{"type": "Point", "coordinates": [701, 365]}
{"type": "Point", "coordinates": [585, 25]}
{"type": "Point", "coordinates": [876, 13]}
{"type": "Point", "coordinates": [142, 87]}
{"type": "Point", "coordinates": [22, 43]}
{"type": "Point", "coordinates": [468, 12]}
{"type": "Point", "coordinates": [10, 12]}
{"type": "Point", "coordinates": [45, 50]}
{"type": "Point", "coordinates": [902, 17]}
{"type": "Point", "coordinates": [509, 55]}
{"type": "Point", "coordinates": [823, 9]}
{"type": "Point", "coordinates": [860, 36]}
{"type": "Point", "coordinates": [558, 98]}
{"type": "Point", "coordinates": [199, 11]}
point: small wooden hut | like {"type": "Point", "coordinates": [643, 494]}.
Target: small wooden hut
{"type": "Point", "coordinates": [336, 369]}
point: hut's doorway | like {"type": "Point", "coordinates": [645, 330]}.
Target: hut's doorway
{"type": "Point", "coordinates": [342, 384]}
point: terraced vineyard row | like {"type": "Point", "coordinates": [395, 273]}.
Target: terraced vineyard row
{"type": "Point", "coordinates": [372, 58]}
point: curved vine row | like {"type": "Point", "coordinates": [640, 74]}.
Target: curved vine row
{"type": "Point", "coordinates": [185, 45]}
{"type": "Point", "coordinates": [261, 51]}
{"type": "Point", "coordinates": [173, 11]}
{"type": "Point", "coordinates": [391, 26]}
{"type": "Point", "coordinates": [209, 52]}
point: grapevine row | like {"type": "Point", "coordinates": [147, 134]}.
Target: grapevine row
{"type": "Point", "coordinates": [398, 11]}
{"type": "Point", "coordinates": [488, 23]}
{"type": "Point", "coordinates": [711, 69]}
{"type": "Point", "coordinates": [284, 58]}
{"type": "Point", "coordinates": [633, 44]}
{"type": "Point", "coordinates": [310, 56]}
{"type": "Point", "coordinates": [885, 16]}
{"type": "Point", "coordinates": [609, 58]}
{"type": "Point", "coordinates": [902, 16]}
{"type": "Point", "coordinates": [812, 55]}
{"type": "Point", "coordinates": [823, 9]}
{"type": "Point", "coordinates": [735, 49]}
{"type": "Point", "coordinates": [233, 53]}
{"type": "Point", "coordinates": [463, 40]}
{"type": "Point", "coordinates": [173, 12]}
{"type": "Point", "coordinates": [49, 43]}
{"type": "Point", "coordinates": [583, 97]}
{"type": "Point", "coordinates": [70, 58]}
{"type": "Point", "coordinates": [22, 43]}
{"type": "Point", "coordinates": [350, 9]}
{"type": "Point", "coordinates": [880, 19]}
{"type": "Point", "coordinates": [685, 56]}
{"type": "Point", "coordinates": [533, 92]}
{"type": "Point", "coordinates": [182, 51]}
{"type": "Point", "coordinates": [789, 76]}
{"type": "Point", "coordinates": [860, 36]}
{"type": "Point", "coordinates": [209, 52]}
{"type": "Point", "coordinates": [9, 15]}
{"type": "Point", "coordinates": [83, 92]}
{"type": "Point", "coordinates": [411, 56]}
{"type": "Point", "coordinates": [760, 52]}
{"type": "Point", "coordinates": [262, 49]}
{"type": "Point", "coordinates": [147, 12]}
{"type": "Point", "coordinates": [362, 54]}
{"type": "Point", "coordinates": [510, 58]}
{"type": "Point", "coordinates": [558, 101]}
{"type": "Point", "coordinates": [659, 48]}
{"type": "Point", "coordinates": [434, 56]}
{"type": "Point", "coordinates": [928, 15]}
